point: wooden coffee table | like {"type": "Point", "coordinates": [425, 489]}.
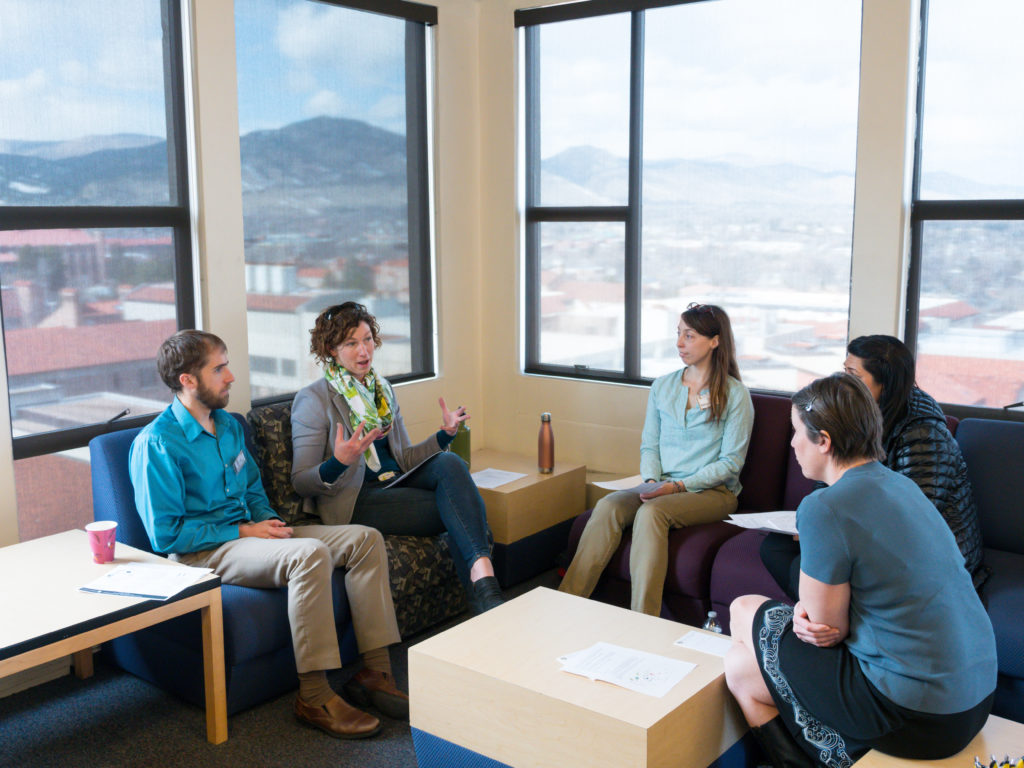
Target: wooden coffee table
{"type": "Point", "coordinates": [46, 617]}
{"type": "Point", "coordinates": [492, 689]}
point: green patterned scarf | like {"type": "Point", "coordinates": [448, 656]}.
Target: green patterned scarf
{"type": "Point", "coordinates": [371, 402]}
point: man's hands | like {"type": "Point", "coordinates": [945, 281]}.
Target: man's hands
{"type": "Point", "coordinates": [821, 635]}
{"type": "Point", "coordinates": [349, 451]}
{"type": "Point", "coordinates": [268, 529]}
{"type": "Point", "coordinates": [450, 420]}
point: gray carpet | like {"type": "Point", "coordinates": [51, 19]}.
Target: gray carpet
{"type": "Point", "coordinates": [115, 719]}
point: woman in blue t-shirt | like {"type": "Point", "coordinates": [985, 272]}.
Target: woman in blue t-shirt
{"type": "Point", "coordinates": [692, 449]}
{"type": "Point", "coordinates": [888, 647]}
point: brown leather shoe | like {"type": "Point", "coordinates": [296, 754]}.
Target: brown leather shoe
{"type": "Point", "coordinates": [371, 687]}
{"type": "Point", "coordinates": [338, 719]}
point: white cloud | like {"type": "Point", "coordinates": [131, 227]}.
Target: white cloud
{"type": "Point", "coordinates": [325, 103]}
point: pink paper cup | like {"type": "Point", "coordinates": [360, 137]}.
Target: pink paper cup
{"type": "Point", "coordinates": [102, 534]}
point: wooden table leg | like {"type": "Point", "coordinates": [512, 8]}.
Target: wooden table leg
{"type": "Point", "coordinates": [213, 670]}
{"type": "Point", "coordinates": [82, 663]}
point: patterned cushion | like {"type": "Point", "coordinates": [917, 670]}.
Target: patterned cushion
{"type": "Point", "coordinates": [424, 584]}
{"type": "Point", "coordinates": [272, 433]}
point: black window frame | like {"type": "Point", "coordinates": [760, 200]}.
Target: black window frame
{"type": "Point", "coordinates": [922, 211]}
{"type": "Point", "coordinates": [418, 17]}
{"type": "Point", "coordinates": [175, 216]}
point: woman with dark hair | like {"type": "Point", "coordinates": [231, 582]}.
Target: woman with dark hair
{"type": "Point", "coordinates": [692, 449]}
{"type": "Point", "coordinates": [349, 442]}
{"type": "Point", "coordinates": [917, 443]}
{"type": "Point", "coordinates": [889, 646]}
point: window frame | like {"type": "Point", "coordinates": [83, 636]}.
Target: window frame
{"type": "Point", "coordinates": [418, 18]}
{"type": "Point", "coordinates": [923, 210]}
{"type": "Point", "coordinates": [175, 216]}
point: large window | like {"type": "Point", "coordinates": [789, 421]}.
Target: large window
{"type": "Point", "coordinates": [333, 124]}
{"type": "Point", "coordinates": [696, 152]}
{"type": "Point", "coordinates": [95, 264]}
{"type": "Point", "coordinates": [966, 298]}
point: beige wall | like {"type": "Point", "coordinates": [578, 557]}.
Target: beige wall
{"type": "Point", "coordinates": [477, 253]}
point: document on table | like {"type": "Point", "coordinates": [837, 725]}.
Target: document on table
{"type": "Point", "coordinates": [705, 642]}
{"type": "Point", "coordinates": [492, 478]}
{"type": "Point", "coordinates": [774, 522]}
{"type": "Point", "coordinates": [638, 671]}
{"type": "Point", "coordinates": [149, 580]}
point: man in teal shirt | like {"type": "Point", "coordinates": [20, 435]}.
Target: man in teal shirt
{"type": "Point", "coordinates": [199, 493]}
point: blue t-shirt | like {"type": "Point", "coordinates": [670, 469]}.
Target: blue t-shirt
{"type": "Point", "coordinates": [917, 625]}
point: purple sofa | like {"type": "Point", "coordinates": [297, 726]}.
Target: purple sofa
{"type": "Point", "coordinates": [771, 480]}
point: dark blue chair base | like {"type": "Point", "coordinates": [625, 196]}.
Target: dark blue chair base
{"type": "Point", "coordinates": [530, 556]}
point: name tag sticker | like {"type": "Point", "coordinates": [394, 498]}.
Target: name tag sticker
{"type": "Point", "coordinates": [704, 400]}
{"type": "Point", "coordinates": [239, 462]}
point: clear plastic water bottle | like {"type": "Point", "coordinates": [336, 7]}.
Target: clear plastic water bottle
{"type": "Point", "coordinates": [711, 623]}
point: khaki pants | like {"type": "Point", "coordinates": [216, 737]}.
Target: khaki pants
{"type": "Point", "coordinates": [304, 563]}
{"type": "Point", "coordinates": [648, 557]}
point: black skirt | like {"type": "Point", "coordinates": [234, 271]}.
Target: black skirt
{"type": "Point", "coordinates": [833, 710]}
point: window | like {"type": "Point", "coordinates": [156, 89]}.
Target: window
{"type": "Point", "coordinates": [702, 151]}
{"type": "Point", "coordinates": [965, 313]}
{"type": "Point", "coordinates": [333, 126]}
{"type": "Point", "coordinates": [95, 263]}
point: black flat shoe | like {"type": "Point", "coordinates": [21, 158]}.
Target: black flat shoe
{"type": "Point", "coordinates": [485, 594]}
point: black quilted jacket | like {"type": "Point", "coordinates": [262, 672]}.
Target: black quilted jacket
{"type": "Point", "coordinates": [921, 447]}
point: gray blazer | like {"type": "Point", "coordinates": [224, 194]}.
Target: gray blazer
{"type": "Point", "coordinates": [316, 412]}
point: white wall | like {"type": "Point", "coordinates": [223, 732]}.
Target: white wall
{"type": "Point", "coordinates": [478, 261]}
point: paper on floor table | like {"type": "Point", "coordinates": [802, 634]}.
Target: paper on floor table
{"type": "Point", "coordinates": [638, 671]}
{"type": "Point", "coordinates": [716, 645]}
{"type": "Point", "coordinates": [150, 580]}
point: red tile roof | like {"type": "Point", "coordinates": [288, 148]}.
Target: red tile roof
{"type": "Point", "coordinates": [971, 380]}
{"type": "Point", "coordinates": [39, 350]}
{"type": "Point", "coordinates": [954, 310]}
{"type": "Point", "coordinates": [38, 237]}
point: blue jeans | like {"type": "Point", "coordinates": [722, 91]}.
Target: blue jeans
{"type": "Point", "coordinates": [439, 496]}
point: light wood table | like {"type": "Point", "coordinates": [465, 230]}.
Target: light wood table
{"type": "Point", "coordinates": [46, 617]}
{"type": "Point", "coordinates": [493, 686]}
{"type": "Point", "coordinates": [530, 517]}
{"type": "Point", "coordinates": [999, 737]}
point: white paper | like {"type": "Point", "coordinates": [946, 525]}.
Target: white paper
{"type": "Point", "coordinates": [776, 522]}
{"type": "Point", "coordinates": [638, 671]}
{"type": "Point", "coordinates": [492, 478]}
{"type": "Point", "coordinates": [705, 642]}
{"type": "Point", "coordinates": [622, 484]}
{"type": "Point", "coordinates": [149, 580]}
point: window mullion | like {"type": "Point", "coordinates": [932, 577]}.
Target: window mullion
{"type": "Point", "coordinates": [632, 276]}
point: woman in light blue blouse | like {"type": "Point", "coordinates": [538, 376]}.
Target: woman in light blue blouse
{"type": "Point", "coordinates": [694, 441]}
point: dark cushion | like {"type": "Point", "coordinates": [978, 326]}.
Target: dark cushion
{"type": "Point", "coordinates": [797, 486]}
{"type": "Point", "coordinates": [764, 471]}
{"type": "Point", "coordinates": [990, 447]}
{"type": "Point", "coordinates": [1003, 594]}
{"type": "Point", "coordinates": [738, 570]}
{"type": "Point", "coordinates": [272, 432]}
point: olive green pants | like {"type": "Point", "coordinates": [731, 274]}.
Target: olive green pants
{"type": "Point", "coordinates": [648, 557]}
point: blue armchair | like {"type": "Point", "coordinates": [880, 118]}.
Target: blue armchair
{"type": "Point", "coordinates": [258, 657]}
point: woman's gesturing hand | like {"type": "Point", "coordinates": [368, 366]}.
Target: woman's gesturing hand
{"type": "Point", "coordinates": [349, 451]}
{"type": "Point", "coordinates": [450, 420]}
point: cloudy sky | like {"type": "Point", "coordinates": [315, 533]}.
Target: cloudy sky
{"type": "Point", "coordinates": [778, 77]}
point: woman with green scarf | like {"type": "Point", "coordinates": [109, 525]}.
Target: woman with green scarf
{"type": "Point", "coordinates": [349, 442]}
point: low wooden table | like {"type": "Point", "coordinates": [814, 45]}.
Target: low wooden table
{"type": "Point", "coordinates": [492, 689]}
{"type": "Point", "coordinates": [46, 617]}
{"type": "Point", "coordinates": [999, 737]}
{"type": "Point", "coordinates": [530, 517]}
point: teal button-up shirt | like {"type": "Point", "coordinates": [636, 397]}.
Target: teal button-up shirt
{"type": "Point", "coordinates": [680, 443]}
{"type": "Point", "coordinates": [193, 489]}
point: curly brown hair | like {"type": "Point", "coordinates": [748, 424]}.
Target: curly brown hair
{"type": "Point", "coordinates": [333, 326]}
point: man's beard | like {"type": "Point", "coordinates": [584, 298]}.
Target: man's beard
{"type": "Point", "coordinates": [211, 399]}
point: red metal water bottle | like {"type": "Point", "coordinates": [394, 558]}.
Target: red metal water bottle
{"type": "Point", "coordinates": [545, 446]}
